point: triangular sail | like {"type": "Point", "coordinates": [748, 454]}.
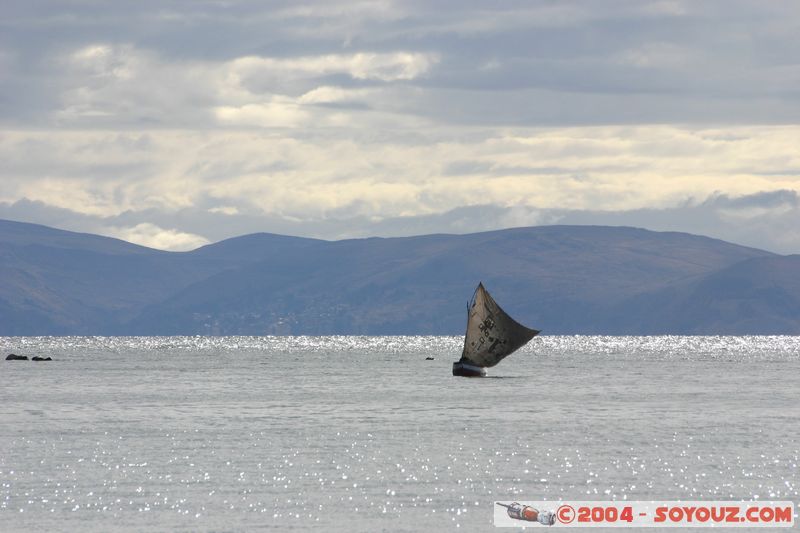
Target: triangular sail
{"type": "Point", "coordinates": [491, 333]}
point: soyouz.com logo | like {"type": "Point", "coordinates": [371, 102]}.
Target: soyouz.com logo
{"type": "Point", "coordinates": [644, 514]}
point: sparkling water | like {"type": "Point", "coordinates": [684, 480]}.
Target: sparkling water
{"type": "Point", "coordinates": [365, 434]}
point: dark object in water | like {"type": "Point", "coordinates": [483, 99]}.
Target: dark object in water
{"type": "Point", "coordinates": [15, 357]}
{"type": "Point", "coordinates": [466, 370]}
{"type": "Point", "coordinates": [37, 358]}
{"type": "Point", "coordinates": [429, 358]}
{"type": "Point", "coordinates": [491, 336]}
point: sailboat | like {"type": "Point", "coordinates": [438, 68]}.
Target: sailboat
{"type": "Point", "coordinates": [491, 336]}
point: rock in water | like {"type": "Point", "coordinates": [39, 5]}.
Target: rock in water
{"type": "Point", "coordinates": [37, 358]}
{"type": "Point", "coordinates": [15, 357]}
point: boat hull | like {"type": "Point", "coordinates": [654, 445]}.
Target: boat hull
{"type": "Point", "coordinates": [468, 371]}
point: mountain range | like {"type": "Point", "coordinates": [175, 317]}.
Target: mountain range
{"type": "Point", "coordinates": [560, 279]}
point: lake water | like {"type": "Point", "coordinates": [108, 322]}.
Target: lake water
{"type": "Point", "coordinates": [363, 434]}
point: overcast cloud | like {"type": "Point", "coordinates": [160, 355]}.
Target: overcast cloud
{"type": "Point", "coordinates": [174, 124]}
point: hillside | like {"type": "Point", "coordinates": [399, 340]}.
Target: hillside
{"type": "Point", "coordinates": [757, 296]}
{"type": "Point", "coordinates": [63, 283]}
{"type": "Point", "coordinates": [561, 279]}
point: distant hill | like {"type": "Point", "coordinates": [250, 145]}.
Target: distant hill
{"type": "Point", "coordinates": [561, 279]}
{"type": "Point", "coordinates": [55, 282]}
{"type": "Point", "coordinates": [758, 296]}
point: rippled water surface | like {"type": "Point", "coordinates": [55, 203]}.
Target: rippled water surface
{"type": "Point", "coordinates": [363, 434]}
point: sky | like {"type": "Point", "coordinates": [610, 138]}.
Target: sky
{"type": "Point", "coordinates": [176, 124]}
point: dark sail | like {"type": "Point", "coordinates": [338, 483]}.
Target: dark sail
{"type": "Point", "coordinates": [491, 333]}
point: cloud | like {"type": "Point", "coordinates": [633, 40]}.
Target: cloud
{"type": "Point", "coordinates": [335, 95]}
{"type": "Point", "coordinates": [423, 172]}
{"type": "Point", "coordinates": [254, 71]}
{"type": "Point", "coordinates": [776, 231]}
{"type": "Point", "coordinates": [152, 236]}
{"type": "Point", "coordinates": [104, 84]}
{"type": "Point", "coordinates": [539, 63]}
{"type": "Point", "coordinates": [225, 210]}
{"type": "Point", "coordinates": [766, 220]}
{"type": "Point", "coordinates": [341, 118]}
{"type": "Point", "coordinates": [273, 113]}
{"type": "Point", "coordinates": [755, 206]}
